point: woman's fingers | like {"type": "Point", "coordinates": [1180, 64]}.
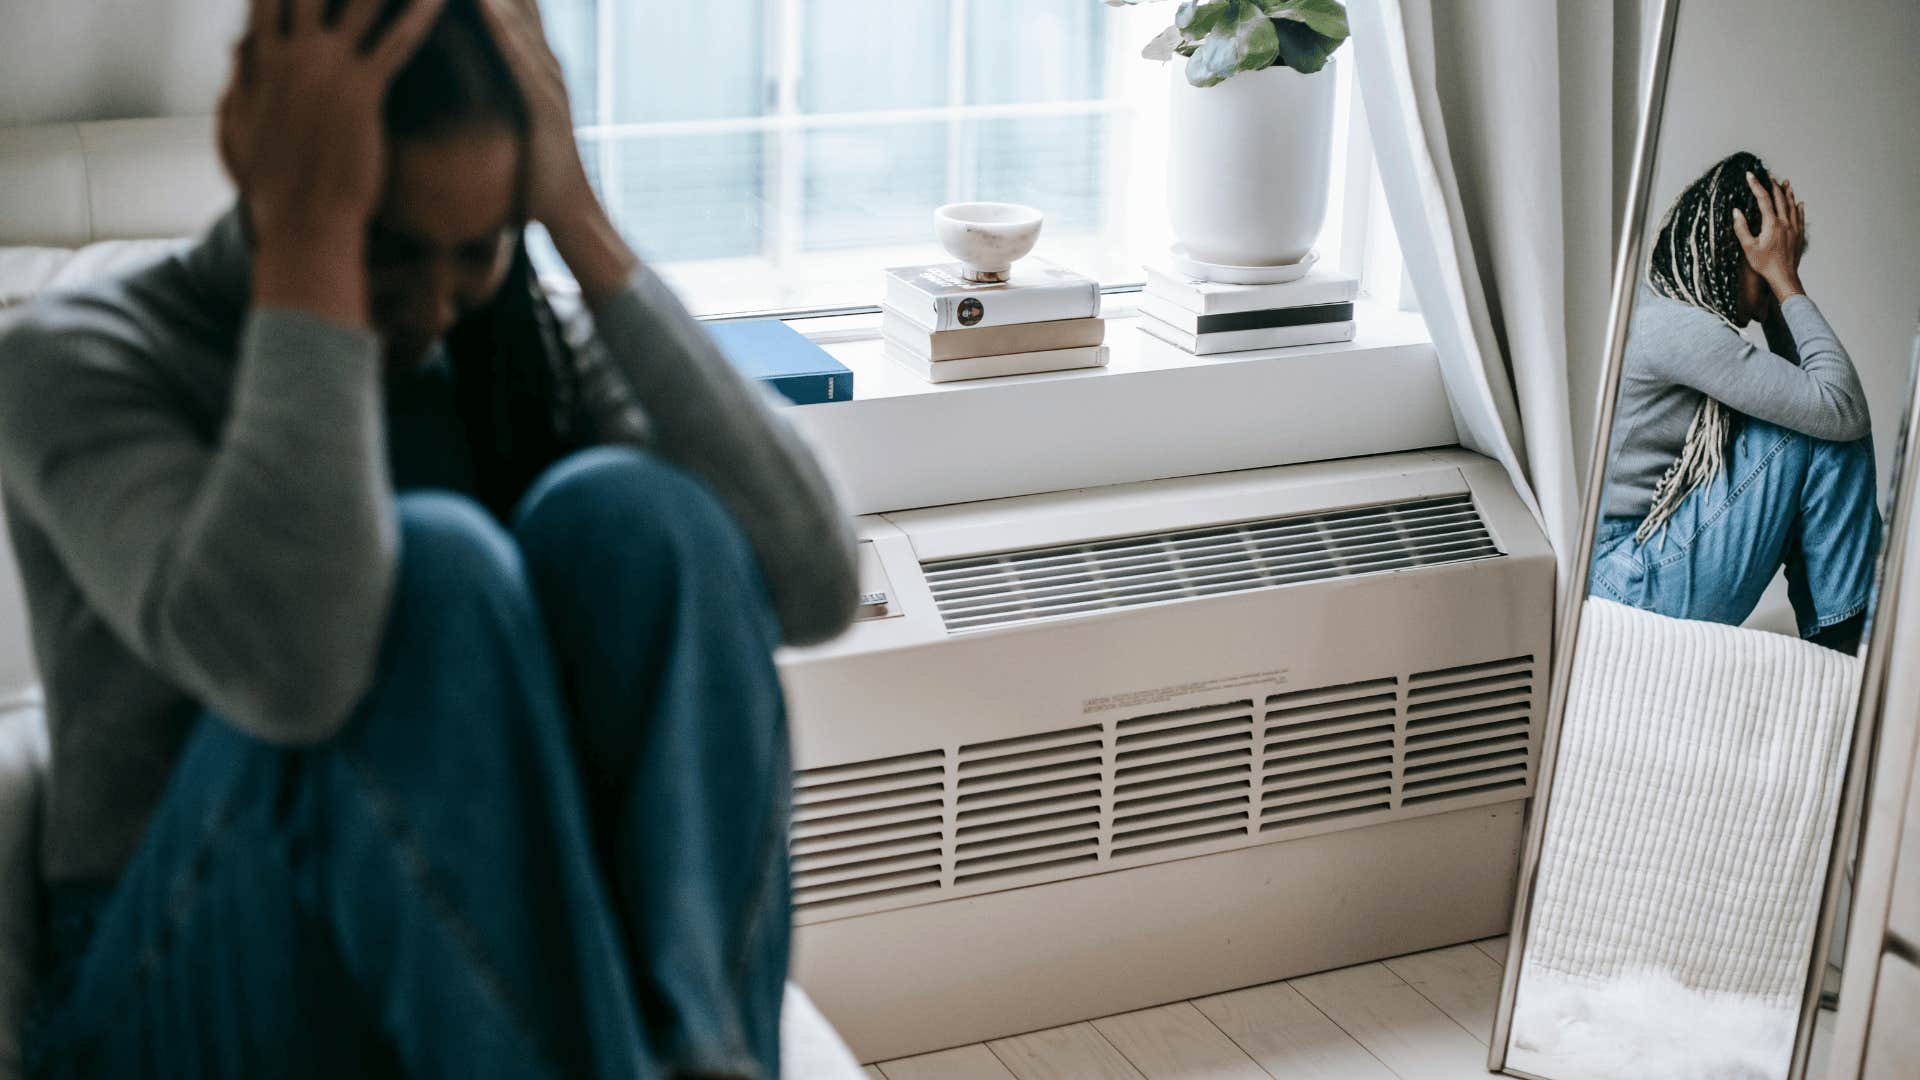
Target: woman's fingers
{"type": "Point", "coordinates": [496, 13]}
{"type": "Point", "coordinates": [1741, 232]}
{"type": "Point", "coordinates": [357, 18]}
{"type": "Point", "coordinates": [1782, 206]}
{"type": "Point", "coordinates": [304, 16]}
{"type": "Point", "coordinates": [403, 36]}
{"type": "Point", "coordinates": [511, 28]}
{"type": "Point", "coordinates": [262, 17]}
{"type": "Point", "coordinates": [530, 10]}
{"type": "Point", "coordinates": [1766, 202]}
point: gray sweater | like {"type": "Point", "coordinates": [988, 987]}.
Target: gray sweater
{"type": "Point", "coordinates": [200, 498]}
{"type": "Point", "coordinates": [1677, 353]}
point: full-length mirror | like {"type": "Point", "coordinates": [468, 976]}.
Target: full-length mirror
{"type": "Point", "coordinates": [1677, 914]}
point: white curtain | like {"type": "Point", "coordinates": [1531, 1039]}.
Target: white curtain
{"type": "Point", "coordinates": [1500, 152]}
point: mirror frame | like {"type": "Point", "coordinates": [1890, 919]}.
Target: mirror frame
{"type": "Point", "coordinates": [1890, 566]}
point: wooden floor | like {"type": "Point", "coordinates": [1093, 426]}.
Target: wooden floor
{"type": "Point", "coordinates": [1419, 1017]}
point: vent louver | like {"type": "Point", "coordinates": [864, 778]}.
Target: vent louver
{"type": "Point", "coordinates": [869, 829]}
{"type": "Point", "coordinates": [1468, 730]}
{"type": "Point", "coordinates": [1029, 803]}
{"type": "Point", "coordinates": [1155, 786]}
{"type": "Point", "coordinates": [985, 591]}
{"type": "Point", "coordinates": [1329, 753]}
{"type": "Point", "coordinates": [1182, 778]}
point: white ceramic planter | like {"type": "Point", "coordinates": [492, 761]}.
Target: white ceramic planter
{"type": "Point", "coordinates": [1248, 163]}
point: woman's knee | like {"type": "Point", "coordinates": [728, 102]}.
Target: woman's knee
{"type": "Point", "coordinates": [459, 573]}
{"type": "Point", "coordinates": [621, 502]}
{"type": "Point", "coordinates": [448, 541]}
{"type": "Point", "coordinates": [463, 627]}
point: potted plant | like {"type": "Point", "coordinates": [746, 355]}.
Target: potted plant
{"type": "Point", "coordinates": [1252, 132]}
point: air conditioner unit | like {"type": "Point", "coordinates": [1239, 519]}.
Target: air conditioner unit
{"type": "Point", "coordinates": [1097, 750]}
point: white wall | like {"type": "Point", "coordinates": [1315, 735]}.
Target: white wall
{"type": "Point", "coordinates": [1828, 94]}
{"type": "Point", "coordinates": [106, 59]}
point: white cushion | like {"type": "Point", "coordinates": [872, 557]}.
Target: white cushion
{"type": "Point", "coordinates": [26, 271]}
{"type": "Point", "coordinates": [23, 765]}
{"type": "Point", "coordinates": [105, 258]}
{"type": "Point", "coordinates": [67, 185]}
{"type": "Point", "coordinates": [809, 1047]}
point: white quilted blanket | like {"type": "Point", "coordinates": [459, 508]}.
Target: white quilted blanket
{"type": "Point", "coordinates": [1693, 805]}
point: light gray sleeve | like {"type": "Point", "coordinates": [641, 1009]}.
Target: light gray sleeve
{"type": "Point", "coordinates": [1820, 396]}
{"type": "Point", "coordinates": [255, 573]}
{"type": "Point", "coordinates": [709, 419]}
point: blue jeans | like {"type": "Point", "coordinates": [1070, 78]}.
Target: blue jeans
{"type": "Point", "coordinates": [551, 841]}
{"type": "Point", "coordinates": [1783, 500]}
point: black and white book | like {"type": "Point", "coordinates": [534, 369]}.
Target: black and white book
{"type": "Point", "coordinates": [991, 340]}
{"type": "Point", "coordinates": [1273, 318]}
{"type": "Point", "coordinates": [990, 367]}
{"type": "Point", "coordinates": [1219, 298]}
{"type": "Point", "coordinates": [1277, 337]}
{"type": "Point", "coordinates": [937, 298]}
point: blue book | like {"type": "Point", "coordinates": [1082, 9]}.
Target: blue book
{"type": "Point", "coordinates": [779, 355]}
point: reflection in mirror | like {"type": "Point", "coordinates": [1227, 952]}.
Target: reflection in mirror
{"type": "Point", "coordinates": [1695, 784]}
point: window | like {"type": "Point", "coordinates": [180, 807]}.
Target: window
{"type": "Point", "coordinates": [775, 155]}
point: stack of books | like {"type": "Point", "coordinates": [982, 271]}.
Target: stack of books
{"type": "Point", "coordinates": [944, 328]}
{"type": "Point", "coordinates": [1207, 317]}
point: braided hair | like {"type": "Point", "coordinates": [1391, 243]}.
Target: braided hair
{"type": "Point", "coordinates": [1696, 260]}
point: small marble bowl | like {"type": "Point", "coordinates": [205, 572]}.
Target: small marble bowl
{"type": "Point", "coordinates": [987, 237]}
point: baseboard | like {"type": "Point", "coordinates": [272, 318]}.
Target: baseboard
{"type": "Point", "coordinates": [914, 980]}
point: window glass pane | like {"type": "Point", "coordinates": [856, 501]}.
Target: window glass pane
{"type": "Point", "coordinates": [1056, 163]}
{"type": "Point", "coordinates": [687, 196]}
{"type": "Point", "coordinates": [873, 184]}
{"type": "Point", "coordinates": [571, 29]}
{"type": "Point", "coordinates": [874, 54]}
{"type": "Point", "coordinates": [683, 60]}
{"type": "Point", "coordinates": [1036, 50]}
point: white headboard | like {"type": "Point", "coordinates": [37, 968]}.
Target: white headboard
{"type": "Point", "coordinates": [67, 186]}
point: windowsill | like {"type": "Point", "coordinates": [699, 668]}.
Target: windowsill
{"type": "Point", "coordinates": [1153, 412]}
{"type": "Point", "coordinates": [854, 341]}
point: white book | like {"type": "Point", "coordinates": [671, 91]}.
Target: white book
{"type": "Point", "coordinates": [992, 367]}
{"type": "Point", "coordinates": [937, 298]}
{"type": "Point", "coordinates": [991, 340]}
{"type": "Point", "coordinates": [1220, 298]}
{"type": "Point", "coordinates": [1195, 323]}
{"type": "Point", "coordinates": [1279, 337]}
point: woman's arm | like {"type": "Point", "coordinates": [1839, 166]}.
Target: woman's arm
{"type": "Point", "coordinates": [709, 419]}
{"type": "Point", "coordinates": [1805, 382]}
{"type": "Point", "coordinates": [253, 573]}
{"type": "Point", "coordinates": [704, 416]}
{"type": "Point", "coordinates": [1821, 396]}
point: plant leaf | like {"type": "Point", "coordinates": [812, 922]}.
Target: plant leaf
{"type": "Point", "coordinates": [1162, 46]}
{"type": "Point", "coordinates": [1196, 18]}
{"type": "Point", "coordinates": [1301, 48]}
{"type": "Point", "coordinates": [1325, 17]}
{"type": "Point", "coordinates": [1244, 41]}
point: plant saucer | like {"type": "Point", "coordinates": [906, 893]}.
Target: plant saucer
{"type": "Point", "coordinates": [1241, 275]}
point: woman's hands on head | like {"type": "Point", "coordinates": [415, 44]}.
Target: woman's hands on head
{"type": "Point", "coordinates": [558, 194]}
{"type": "Point", "coordinates": [301, 133]}
{"type": "Point", "coordinates": [1774, 252]}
